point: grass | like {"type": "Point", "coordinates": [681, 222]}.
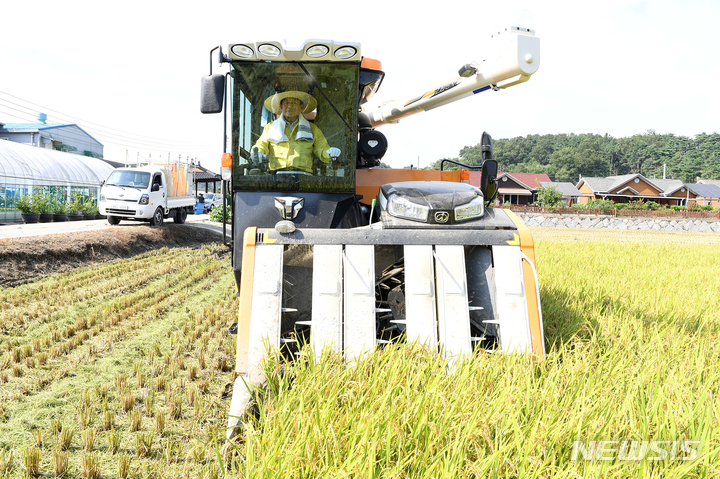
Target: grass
{"type": "Point", "coordinates": [631, 328]}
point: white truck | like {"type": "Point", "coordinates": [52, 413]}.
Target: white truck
{"type": "Point", "coordinates": [148, 193]}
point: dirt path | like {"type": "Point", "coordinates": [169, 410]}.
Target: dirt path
{"type": "Point", "coordinates": [23, 260]}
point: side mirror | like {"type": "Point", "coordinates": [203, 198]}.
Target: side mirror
{"type": "Point", "coordinates": [155, 187]}
{"type": "Point", "coordinates": [212, 93]}
{"type": "Point", "coordinates": [488, 180]}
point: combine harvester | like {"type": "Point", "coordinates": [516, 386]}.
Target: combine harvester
{"type": "Point", "coordinates": [330, 250]}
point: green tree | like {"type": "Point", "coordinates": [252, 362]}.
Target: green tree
{"type": "Point", "coordinates": [549, 196]}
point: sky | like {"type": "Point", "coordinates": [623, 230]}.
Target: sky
{"type": "Point", "coordinates": [129, 72]}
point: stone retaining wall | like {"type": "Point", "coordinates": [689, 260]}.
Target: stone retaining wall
{"type": "Point", "coordinates": [620, 223]}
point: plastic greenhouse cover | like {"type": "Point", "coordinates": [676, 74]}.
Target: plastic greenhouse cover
{"type": "Point", "coordinates": [44, 166]}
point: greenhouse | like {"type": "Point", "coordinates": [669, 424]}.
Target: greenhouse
{"type": "Point", "coordinates": [55, 179]}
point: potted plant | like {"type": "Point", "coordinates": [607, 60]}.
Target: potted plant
{"type": "Point", "coordinates": [27, 209]}
{"type": "Point", "coordinates": [88, 210]}
{"type": "Point", "coordinates": [59, 210]}
{"type": "Point", "coordinates": [44, 207]}
{"type": "Point", "coordinates": [73, 210]}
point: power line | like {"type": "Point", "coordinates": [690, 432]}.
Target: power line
{"type": "Point", "coordinates": [84, 121]}
{"type": "Point", "coordinates": [98, 133]}
{"type": "Point", "coordinates": [201, 153]}
{"type": "Point", "coordinates": [136, 143]}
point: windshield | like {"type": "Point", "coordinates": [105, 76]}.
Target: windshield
{"type": "Point", "coordinates": [294, 126]}
{"type": "Point", "coordinates": [136, 179]}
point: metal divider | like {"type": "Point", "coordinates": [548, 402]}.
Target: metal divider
{"type": "Point", "coordinates": [359, 288]}
{"type": "Point", "coordinates": [266, 308]}
{"type": "Point", "coordinates": [327, 299]}
{"type": "Point", "coordinates": [420, 306]}
{"type": "Point", "coordinates": [512, 314]}
{"type": "Point", "coordinates": [452, 301]}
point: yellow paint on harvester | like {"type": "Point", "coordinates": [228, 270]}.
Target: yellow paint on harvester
{"type": "Point", "coordinates": [515, 241]}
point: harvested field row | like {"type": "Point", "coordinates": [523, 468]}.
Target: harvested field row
{"type": "Point", "coordinates": [126, 380]}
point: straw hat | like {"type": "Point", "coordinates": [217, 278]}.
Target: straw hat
{"type": "Point", "coordinates": [272, 102]}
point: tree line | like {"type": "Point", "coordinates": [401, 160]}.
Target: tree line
{"type": "Point", "coordinates": [564, 157]}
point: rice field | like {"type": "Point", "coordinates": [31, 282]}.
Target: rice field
{"type": "Point", "coordinates": [120, 371]}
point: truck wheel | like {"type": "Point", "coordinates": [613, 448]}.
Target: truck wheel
{"type": "Point", "coordinates": [113, 220]}
{"type": "Point", "coordinates": [180, 215]}
{"type": "Point", "coordinates": [157, 217]}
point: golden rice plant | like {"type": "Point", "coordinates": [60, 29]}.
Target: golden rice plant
{"type": "Point", "coordinates": [120, 383]}
{"type": "Point", "coordinates": [192, 373]}
{"type": "Point", "coordinates": [37, 437]}
{"type": "Point", "coordinates": [108, 420]}
{"type": "Point", "coordinates": [143, 444]}
{"type": "Point", "coordinates": [65, 438]}
{"type": "Point", "coordinates": [85, 399]}
{"type": "Point", "coordinates": [210, 471]}
{"type": "Point", "coordinates": [160, 422]}
{"type": "Point", "coordinates": [135, 420]}
{"type": "Point", "coordinates": [202, 386]}
{"type": "Point", "coordinates": [61, 460]}
{"type": "Point", "coordinates": [90, 466]}
{"type": "Point", "coordinates": [176, 407]}
{"type": "Point", "coordinates": [171, 451]}
{"type": "Point", "coordinates": [84, 415]}
{"type": "Point", "coordinates": [113, 441]}
{"type": "Point", "coordinates": [42, 358]}
{"type": "Point", "coordinates": [6, 463]}
{"type": "Point", "coordinates": [201, 359]}
{"type": "Point", "coordinates": [123, 467]}
{"type": "Point", "coordinates": [160, 383]}
{"type": "Point", "coordinates": [88, 439]}
{"type": "Point", "coordinates": [127, 401]}
{"type": "Point", "coordinates": [31, 461]}
{"type": "Point", "coordinates": [56, 425]}
{"type": "Point", "coordinates": [101, 391]}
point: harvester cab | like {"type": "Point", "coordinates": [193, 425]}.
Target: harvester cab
{"type": "Point", "coordinates": [331, 251]}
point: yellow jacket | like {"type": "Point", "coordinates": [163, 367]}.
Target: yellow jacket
{"type": "Point", "coordinates": [294, 154]}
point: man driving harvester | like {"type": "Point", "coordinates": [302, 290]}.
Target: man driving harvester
{"type": "Point", "coordinates": [291, 140]}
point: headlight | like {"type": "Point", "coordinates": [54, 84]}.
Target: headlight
{"type": "Point", "coordinates": [242, 51]}
{"type": "Point", "coordinates": [402, 208]}
{"type": "Point", "coordinates": [317, 51]}
{"type": "Point", "coordinates": [102, 197]}
{"type": "Point", "coordinates": [269, 50]}
{"type": "Point", "coordinates": [474, 209]}
{"type": "Point", "coordinates": [144, 199]}
{"type": "Point", "coordinates": [343, 53]}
